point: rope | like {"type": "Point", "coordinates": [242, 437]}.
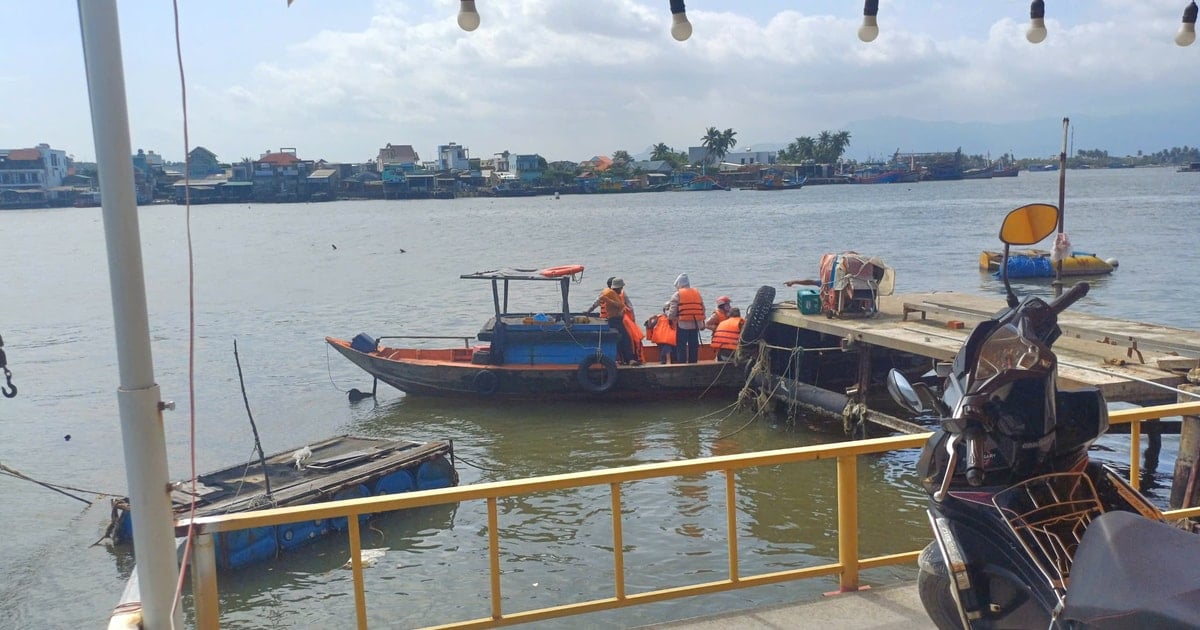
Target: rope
{"type": "Point", "coordinates": [329, 371]}
{"type": "Point", "coordinates": [61, 489]}
{"type": "Point", "coordinates": [476, 466]}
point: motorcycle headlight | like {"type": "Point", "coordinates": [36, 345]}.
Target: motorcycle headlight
{"type": "Point", "coordinates": [1006, 349]}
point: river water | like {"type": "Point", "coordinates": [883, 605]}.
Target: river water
{"type": "Point", "coordinates": [278, 278]}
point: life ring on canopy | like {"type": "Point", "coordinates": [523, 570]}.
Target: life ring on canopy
{"type": "Point", "coordinates": [561, 270]}
{"type": "Point", "coordinates": [606, 382]}
{"type": "Point", "coordinates": [486, 382]}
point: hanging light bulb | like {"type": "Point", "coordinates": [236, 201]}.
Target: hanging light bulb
{"type": "Point", "coordinates": [681, 28]}
{"type": "Point", "coordinates": [1187, 30]}
{"type": "Point", "coordinates": [1037, 22]}
{"type": "Point", "coordinates": [870, 28]}
{"type": "Point", "coordinates": [468, 17]}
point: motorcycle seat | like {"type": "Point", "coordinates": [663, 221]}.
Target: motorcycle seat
{"type": "Point", "coordinates": [1133, 572]}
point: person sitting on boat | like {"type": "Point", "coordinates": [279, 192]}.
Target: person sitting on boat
{"type": "Point", "coordinates": [661, 332]}
{"type": "Point", "coordinates": [631, 328]}
{"type": "Point", "coordinates": [612, 309]}
{"type": "Point", "coordinates": [725, 337]}
{"type": "Point", "coordinates": [687, 311]}
{"type": "Point", "coordinates": [724, 307]}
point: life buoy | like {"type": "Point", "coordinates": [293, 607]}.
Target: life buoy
{"type": "Point", "coordinates": [485, 382]}
{"type": "Point", "coordinates": [562, 270]}
{"type": "Point", "coordinates": [584, 374]}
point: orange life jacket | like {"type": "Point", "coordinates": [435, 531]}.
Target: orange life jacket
{"type": "Point", "coordinates": [611, 304]}
{"type": "Point", "coordinates": [635, 336]}
{"type": "Point", "coordinates": [661, 331]}
{"type": "Point", "coordinates": [727, 334]}
{"type": "Point", "coordinates": [691, 306]}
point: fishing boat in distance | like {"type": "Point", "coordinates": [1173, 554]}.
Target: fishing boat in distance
{"type": "Point", "coordinates": [1036, 263]}
{"type": "Point", "coordinates": [776, 181]}
{"type": "Point", "coordinates": [342, 467]}
{"type": "Point", "coordinates": [532, 355]}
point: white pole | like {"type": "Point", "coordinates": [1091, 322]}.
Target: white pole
{"type": "Point", "coordinates": [138, 396]}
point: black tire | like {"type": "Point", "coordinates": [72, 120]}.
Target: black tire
{"type": "Point", "coordinates": [606, 382]}
{"type": "Point", "coordinates": [933, 586]}
{"type": "Point", "coordinates": [758, 316]}
{"type": "Point", "coordinates": [485, 382]}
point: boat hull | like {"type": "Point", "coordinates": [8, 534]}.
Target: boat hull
{"type": "Point", "coordinates": [449, 373]}
{"type": "Point", "coordinates": [1037, 264]}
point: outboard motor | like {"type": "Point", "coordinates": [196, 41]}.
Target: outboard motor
{"type": "Point", "coordinates": [1015, 501]}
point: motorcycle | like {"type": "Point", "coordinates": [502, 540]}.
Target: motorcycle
{"type": "Point", "coordinates": [1028, 532]}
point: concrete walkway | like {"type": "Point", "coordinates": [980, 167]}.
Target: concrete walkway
{"type": "Point", "coordinates": [888, 608]}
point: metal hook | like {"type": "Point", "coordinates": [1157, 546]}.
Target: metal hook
{"type": "Point", "coordinates": [11, 390]}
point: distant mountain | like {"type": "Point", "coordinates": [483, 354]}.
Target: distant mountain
{"type": "Point", "coordinates": [879, 138]}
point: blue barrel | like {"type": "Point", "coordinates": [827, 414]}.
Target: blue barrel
{"type": "Point", "coordinates": [353, 492]}
{"type": "Point", "coordinates": [394, 483]}
{"type": "Point", "coordinates": [435, 473]}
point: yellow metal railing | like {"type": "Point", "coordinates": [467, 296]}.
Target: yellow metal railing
{"type": "Point", "coordinates": [847, 567]}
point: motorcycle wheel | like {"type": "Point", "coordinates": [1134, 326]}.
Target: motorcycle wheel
{"type": "Point", "coordinates": [933, 585]}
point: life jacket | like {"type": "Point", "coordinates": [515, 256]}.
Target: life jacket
{"type": "Point", "coordinates": [720, 315]}
{"type": "Point", "coordinates": [661, 330]}
{"type": "Point", "coordinates": [727, 334]}
{"type": "Point", "coordinates": [691, 306]}
{"type": "Point", "coordinates": [635, 336]}
{"type": "Point", "coordinates": [611, 304]}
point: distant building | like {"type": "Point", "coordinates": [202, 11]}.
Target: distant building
{"type": "Point", "coordinates": [281, 175]}
{"type": "Point", "coordinates": [597, 163]}
{"type": "Point", "coordinates": [662, 167]}
{"type": "Point", "coordinates": [399, 154]}
{"type": "Point", "coordinates": [748, 156]}
{"type": "Point", "coordinates": [31, 177]}
{"type": "Point", "coordinates": [452, 157]}
{"type": "Point", "coordinates": [528, 167]}
{"type": "Point", "coordinates": [202, 163]}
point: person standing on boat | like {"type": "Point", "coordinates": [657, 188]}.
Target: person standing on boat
{"type": "Point", "coordinates": [612, 309]}
{"type": "Point", "coordinates": [687, 311]}
{"type": "Point", "coordinates": [724, 308]}
{"type": "Point", "coordinates": [661, 332]}
{"type": "Point", "coordinates": [726, 336]}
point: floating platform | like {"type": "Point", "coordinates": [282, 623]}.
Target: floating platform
{"type": "Point", "coordinates": [1128, 361]}
{"type": "Point", "coordinates": [342, 467]}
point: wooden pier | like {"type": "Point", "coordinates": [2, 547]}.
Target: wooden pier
{"type": "Point", "coordinates": [1129, 361]}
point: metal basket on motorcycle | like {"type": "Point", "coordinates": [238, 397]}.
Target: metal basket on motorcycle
{"type": "Point", "coordinates": [1048, 514]}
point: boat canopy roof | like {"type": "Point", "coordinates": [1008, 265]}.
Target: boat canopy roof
{"type": "Point", "coordinates": [500, 279]}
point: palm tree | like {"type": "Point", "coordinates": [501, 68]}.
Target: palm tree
{"type": "Point", "coordinates": [661, 151]}
{"type": "Point", "coordinates": [717, 143]}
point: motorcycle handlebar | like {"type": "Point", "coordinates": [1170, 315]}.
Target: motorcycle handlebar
{"type": "Point", "coordinates": [1077, 291]}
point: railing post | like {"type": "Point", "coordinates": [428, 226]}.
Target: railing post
{"type": "Point", "coordinates": [356, 566]}
{"type": "Point", "coordinates": [847, 502]}
{"type": "Point", "coordinates": [204, 583]}
{"type": "Point", "coordinates": [1184, 492]}
{"type": "Point", "coordinates": [1135, 447]}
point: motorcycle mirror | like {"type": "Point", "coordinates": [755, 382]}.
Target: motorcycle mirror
{"type": "Point", "coordinates": [1029, 224]}
{"type": "Point", "coordinates": [903, 392]}
{"type": "Point", "coordinates": [1025, 226]}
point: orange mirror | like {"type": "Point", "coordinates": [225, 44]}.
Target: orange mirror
{"type": "Point", "coordinates": [1029, 224]}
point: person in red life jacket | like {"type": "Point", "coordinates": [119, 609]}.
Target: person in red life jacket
{"type": "Point", "coordinates": [612, 309]}
{"type": "Point", "coordinates": [660, 330]}
{"type": "Point", "coordinates": [687, 311]}
{"type": "Point", "coordinates": [725, 337]}
{"type": "Point", "coordinates": [721, 314]}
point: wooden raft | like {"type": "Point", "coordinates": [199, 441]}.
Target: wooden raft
{"type": "Point", "coordinates": [1122, 358]}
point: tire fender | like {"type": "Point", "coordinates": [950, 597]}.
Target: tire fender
{"type": "Point", "coordinates": [584, 377]}
{"type": "Point", "coordinates": [758, 316]}
{"type": "Point", "coordinates": [485, 382]}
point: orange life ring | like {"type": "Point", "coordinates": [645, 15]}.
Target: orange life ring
{"type": "Point", "coordinates": [563, 270]}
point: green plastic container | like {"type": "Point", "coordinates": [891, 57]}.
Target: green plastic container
{"type": "Point", "coordinates": [808, 301]}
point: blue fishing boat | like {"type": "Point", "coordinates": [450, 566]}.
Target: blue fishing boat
{"type": "Point", "coordinates": [342, 467]}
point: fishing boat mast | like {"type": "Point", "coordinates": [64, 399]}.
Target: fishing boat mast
{"type": "Point", "coordinates": [142, 433]}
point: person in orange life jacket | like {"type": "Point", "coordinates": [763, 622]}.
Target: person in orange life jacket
{"type": "Point", "coordinates": [612, 308]}
{"type": "Point", "coordinates": [687, 311]}
{"type": "Point", "coordinates": [725, 337]}
{"type": "Point", "coordinates": [721, 314]}
{"type": "Point", "coordinates": [661, 332]}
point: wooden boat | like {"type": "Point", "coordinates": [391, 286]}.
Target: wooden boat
{"type": "Point", "coordinates": [777, 182]}
{"type": "Point", "coordinates": [342, 467]}
{"type": "Point", "coordinates": [537, 356]}
{"type": "Point", "coordinates": [1010, 171]}
{"type": "Point", "coordinates": [1193, 167]}
{"type": "Point", "coordinates": [1035, 263]}
{"type": "Point", "coordinates": [704, 182]}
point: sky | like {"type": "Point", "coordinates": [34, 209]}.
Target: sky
{"type": "Point", "coordinates": [570, 79]}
